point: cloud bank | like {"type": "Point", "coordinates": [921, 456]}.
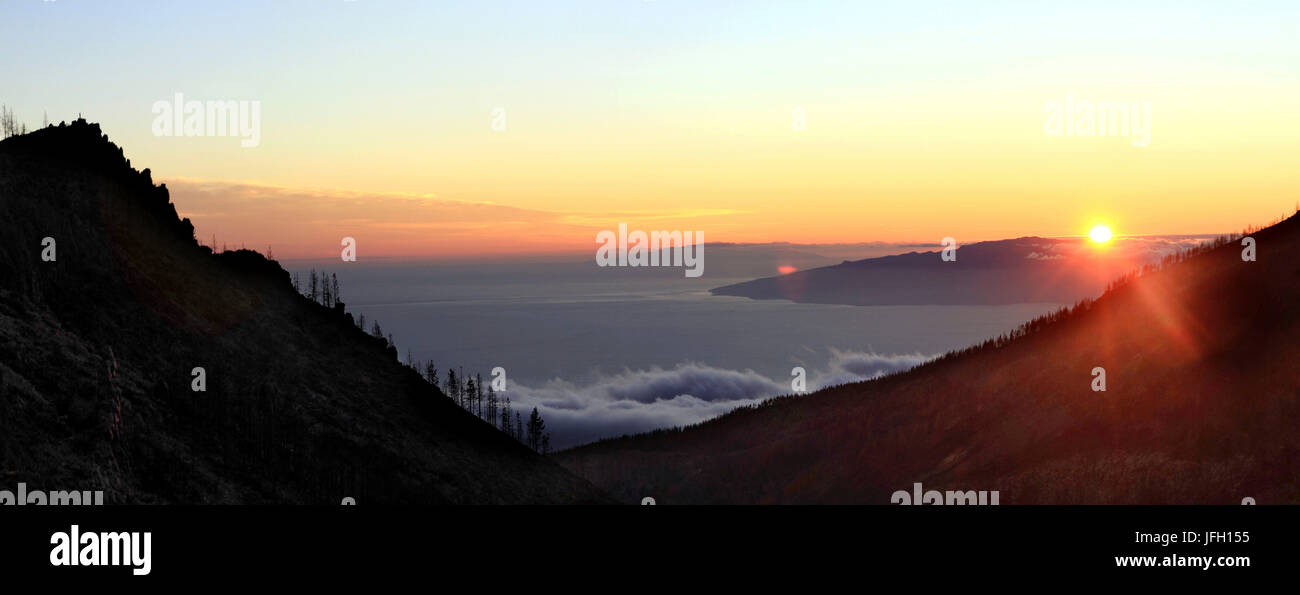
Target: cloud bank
{"type": "Point", "coordinates": [634, 401]}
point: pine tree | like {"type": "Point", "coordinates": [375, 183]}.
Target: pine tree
{"type": "Point", "coordinates": [519, 427]}
{"type": "Point", "coordinates": [478, 394]}
{"type": "Point", "coordinates": [431, 373]}
{"type": "Point", "coordinates": [491, 405]}
{"type": "Point", "coordinates": [453, 386]}
{"type": "Point", "coordinates": [535, 428]}
{"type": "Point", "coordinates": [313, 285]}
{"type": "Point", "coordinates": [470, 389]}
{"type": "Point", "coordinates": [335, 281]}
{"type": "Point", "coordinates": [505, 419]}
{"type": "Point", "coordinates": [7, 126]}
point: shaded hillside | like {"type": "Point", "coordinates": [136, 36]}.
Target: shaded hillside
{"type": "Point", "coordinates": [1023, 270]}
{"type": "Point", "coordinates": [97, 349]}
{"type": "Point", "coordinates": [1202, 406]}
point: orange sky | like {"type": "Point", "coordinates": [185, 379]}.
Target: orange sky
{"type": "Point", "coordinates": [968, 160]}
{"type": "Point", "coordinates": [752, 122]}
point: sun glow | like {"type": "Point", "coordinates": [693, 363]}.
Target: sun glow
{"type": "Point", "coordinates": [1100, 234]}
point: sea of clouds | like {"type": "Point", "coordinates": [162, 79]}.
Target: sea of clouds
{"type": "Point", "coordinates": [634, 401]}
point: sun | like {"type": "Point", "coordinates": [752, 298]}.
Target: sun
{"type": "Point", "coordinates": [1100, 234]}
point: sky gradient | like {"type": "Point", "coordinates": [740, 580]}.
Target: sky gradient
{"type": "Point", "coordinates": [923, 120]}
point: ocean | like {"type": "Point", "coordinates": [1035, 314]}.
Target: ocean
{"type": "Point", "coordinates": [603, 352]}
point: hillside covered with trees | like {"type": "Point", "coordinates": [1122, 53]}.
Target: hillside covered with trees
{"type": "Point", "coordinates": [135, 360]}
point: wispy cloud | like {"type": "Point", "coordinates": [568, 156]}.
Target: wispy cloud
{"type": "Point", "coordinates": [310, 223]}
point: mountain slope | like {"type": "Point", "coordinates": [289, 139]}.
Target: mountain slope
{"type": "Point", "coordinates": [98, 346]}
{"type": "Point", "coordinates": [1202, 405]}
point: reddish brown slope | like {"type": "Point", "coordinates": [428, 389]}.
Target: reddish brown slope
{"type": "Point", "coordinates": [1202, 406]}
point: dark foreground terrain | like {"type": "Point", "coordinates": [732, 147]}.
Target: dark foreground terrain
{"type": "Point", "coordinates": [97, 350]}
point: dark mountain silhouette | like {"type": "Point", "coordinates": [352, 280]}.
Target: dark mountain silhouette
{"type": "Point", "coordinates": [98, 346]}
{"type": "Point", "coordinates": [1202, 405]}
{"type": "Point", "coordinates": [1023, 270]}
